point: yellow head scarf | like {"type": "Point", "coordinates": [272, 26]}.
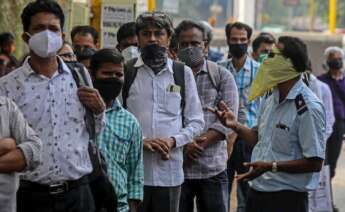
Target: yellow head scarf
{"type": "Point", "coordinates": [272, 71]}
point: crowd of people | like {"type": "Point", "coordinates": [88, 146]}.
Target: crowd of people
{"type": "Point", "coordinates": [162, 122]}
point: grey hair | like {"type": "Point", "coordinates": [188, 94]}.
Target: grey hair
{"type": "Point", "coordinates": [333, 49]}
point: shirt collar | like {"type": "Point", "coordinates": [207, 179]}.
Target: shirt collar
{"type": "Point", "coordinates": [62, 67]}
{"type": "Point", "coordinates": [247, 64]}
{"type": "Point", "coordinates": [115, 107]}
{"type": "Point", "coordinates": [204, 67]}
{"type": "Point", "coordinates": [169, 66]}
{"type": "Point", "coordinates": [294, 91]}
{"type": "Point", "coordinates": [2, 101]}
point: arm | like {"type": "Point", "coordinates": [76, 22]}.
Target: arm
{"type": "Point", "coordinates": [311, 132]}
{"type": "Point", "coordinates": [14, 161]}
{"type": "Point", "coordinates": [228, 119]}
{"type": "Point", "coordinates": [327, 100]}
{"type": "Point", "coordinates": [229, 95]}
{"type": "Point", "coordinates": [135, 169]}
{"type": "Point", "coordinates": [29, 145]}
{"type": "Point", "coordinates": [7, 145]}
{"type": "Point", "coordinates": [194, 121]}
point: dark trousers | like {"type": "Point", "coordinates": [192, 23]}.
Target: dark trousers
{"type": "Point", "coordinates": [160, 199]}
{"type": "Point", "coordinates": [281, 201]}
{"type": "Point", "coordinates": [103, 194]}
{"type": "Point", "coordinates": [211, 194]}
{"type": "Point", "coordinates": [76, 200]}
{"type": "Point", "coordinates": [241, 153]}
{"type": "Point", "coordinates": [334, 145]}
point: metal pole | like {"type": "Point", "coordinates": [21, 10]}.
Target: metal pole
{"type": "Point", "coordinates": [332, 15]}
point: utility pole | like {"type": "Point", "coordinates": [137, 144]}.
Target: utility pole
{"type": "Point", "coordinates": [332, 16]}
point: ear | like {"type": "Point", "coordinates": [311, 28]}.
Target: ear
{"type": "Point", "coordinates": [25, 38]}
{"type": "Point", "coordinates": [98, 45]}
{"type": "Point", "coordinates": [63, 36]}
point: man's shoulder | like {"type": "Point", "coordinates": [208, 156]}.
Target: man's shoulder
{"type": "Point", "coordinates": [124, 116]}
{"type": "Point", "coordinates": [12, 75]}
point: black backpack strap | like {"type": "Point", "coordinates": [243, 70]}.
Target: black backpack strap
{"type": "Point", "coordinates": [130, 74]}
{"type": "Point", "coordinates": [178, 69]}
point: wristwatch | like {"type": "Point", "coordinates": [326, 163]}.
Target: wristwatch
{"type": "Point", "coordinates": [274, 166]}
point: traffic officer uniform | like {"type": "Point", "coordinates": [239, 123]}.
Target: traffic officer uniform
{"type": "Point", "coordinates": [291, 130]}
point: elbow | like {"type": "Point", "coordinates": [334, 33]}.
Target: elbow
{"type": "Point", "coordinates": [316, 165]}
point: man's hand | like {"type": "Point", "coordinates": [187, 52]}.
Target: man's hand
{"type": "Point", "coordinates": [160, 145]}
{"type": "Point", "coordinates": [256, 169]}
{"type": "Point", "coordinates": [91, 98]}
{"type": "Point", "coordinates": [225, 115]}
{"type": "Point", "coordinates": [195, 149]}
{"type": "Point", "coordinates": [7, 145]}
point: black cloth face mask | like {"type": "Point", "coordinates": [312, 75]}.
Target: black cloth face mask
{"type": "Point", "coordinates": [238, 50]}
{"type": "Point", "coordinates": [154, 56]}
{"type": "Point", "coordinates": [335, 63]}
{"type": "Point", "coordinates": [109, 88]}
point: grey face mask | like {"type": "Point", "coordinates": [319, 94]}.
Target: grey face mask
{"type": "Point", "coordinates": [191, 56]}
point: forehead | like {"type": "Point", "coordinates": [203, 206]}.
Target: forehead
{"type": "Point", "coordinates": [82, 39]}
{"type": "Point", "coordinates": [44, 19]}
{"type": "Point", "coordinates": [335, 55]}
{"type": "Point", "coordinates": [111, 67]}
{"type": "Point", "coordinates": [191, 34]}
{"type": "Point", "coordinates": [236, 32]}
{"type": "Point", "coordinates": [152, 28]}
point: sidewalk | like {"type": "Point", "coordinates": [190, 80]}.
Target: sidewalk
{"type": "Point", "coordinates": [339, 183]}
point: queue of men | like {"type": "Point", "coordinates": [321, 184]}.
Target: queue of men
{"type": "Point", "coordinates": [155, 125]}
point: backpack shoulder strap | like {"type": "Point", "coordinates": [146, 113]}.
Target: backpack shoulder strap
{"type": "Point", "coordinates": [130, 74]}
{"type": "Point", "coordinates": [213, 73]}
{"type": "Point", "coordinates": [78, 73]}
{"type": "Point", "coordinates": [178, 69]}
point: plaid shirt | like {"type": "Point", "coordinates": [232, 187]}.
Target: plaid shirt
{"type": "Point", "coordinates": [244, 78]}
{"type": "Point", "coordinates": [213, 160]}
{"type": "Point", "coordinates": [122, 146]}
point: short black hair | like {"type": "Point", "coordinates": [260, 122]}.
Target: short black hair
{"type": "Point", "coordinates": [39, 6]}
{"type": "Point", "coordinates": [296, 50]}
{"type": "Point", "coordinates": [238, 25]}
{"type": "Point", "coordinates": [105, 56]}
{"type": "Point", "coordinates": [125, 31]}
{"type": "Point", "coordinates": [5, 38]}
{"type": "Point", "coordinates": [189, 24]}
{"type": "Point", "coordinates": [262, 38]}
{"type": "Point", "coordinates": [158, 19]}
{"type": "Point", "coordinates": [84, 30]}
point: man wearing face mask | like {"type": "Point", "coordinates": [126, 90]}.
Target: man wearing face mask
{"type": "Point", "coordinates": [127, 41]}
{"type": "Point", "coordinates": [335, 79]}
{"type": "Point", "coordinates": [289, 138]}
{"type": "Point", "coordinates": [45, 91]}
{"type": "Point", "coordinates": [206, 157]}
{"type": "Point", "coordinates": [244, 70]}
{"type": "Point", "coordinates": [121, 140]}
{"type": "Point", "coordinates": [163, 97]}
{"type": "Point", "coordinates": [262, 46]}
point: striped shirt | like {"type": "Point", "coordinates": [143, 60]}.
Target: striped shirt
{"type": "Point", "coordinates": [213, 160]}
{"type": "Point", "coordinates": [244, 78]}
{"type": "Point", "coordinates": [122, 146]}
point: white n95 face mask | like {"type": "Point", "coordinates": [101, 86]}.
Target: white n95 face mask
{"type": "Point", "coordinates": [45, 44]}
{"type": "Point", "coordinates": [130, 53]}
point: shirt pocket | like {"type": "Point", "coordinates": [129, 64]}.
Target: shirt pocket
{"type": "Point", "coordinates": [172, 103]}
{"type": "Point", "coordinates": [281, 141]}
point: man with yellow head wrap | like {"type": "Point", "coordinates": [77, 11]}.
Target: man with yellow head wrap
{"type": "Point", "coordinates": [289, 140]}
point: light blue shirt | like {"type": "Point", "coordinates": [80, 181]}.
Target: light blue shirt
{"type": "Point", "coordinates": [244, 77]}
{"type": "Point", "coordinates": [52, 107]}
{"type": "Point", "coordinates": [158, 110]}
{"type": "Point", "coordinates": [291, 130]}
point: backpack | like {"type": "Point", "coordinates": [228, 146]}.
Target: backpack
{"type": "Point", "coordinates": [97, 160]}
{"type": "Point", "coordinates": [178, 74]}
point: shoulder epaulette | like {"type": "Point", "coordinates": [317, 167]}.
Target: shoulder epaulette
{"type": "Point", "coordinates": [301, 106]}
